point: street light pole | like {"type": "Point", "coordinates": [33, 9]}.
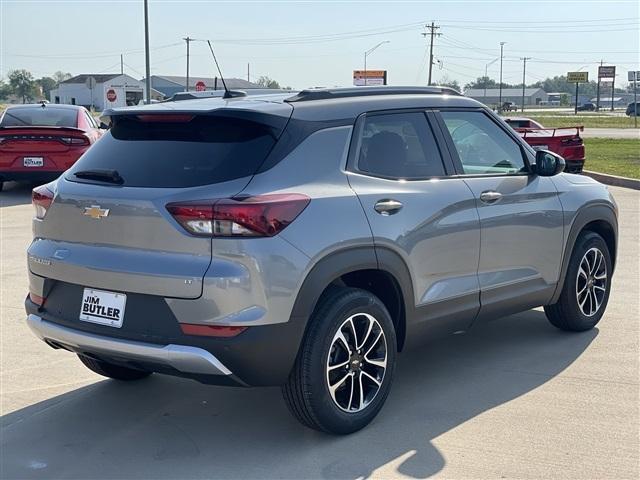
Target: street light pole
{"type": "Point", "coordinates": [146, 53]}
{"type": "Point", "coordinates": [524, 70]}
{"type": "Point", "coordinates": [501, 55]}
{"type": "Point", "coordinates": [368, 52]}
{"type": "Point", "coordinates": [486, 74]}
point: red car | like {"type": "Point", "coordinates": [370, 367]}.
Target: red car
{"type": "Point", "coordinates": [39, 142]}
{"type": "Point", "coordinates": [565, 141]}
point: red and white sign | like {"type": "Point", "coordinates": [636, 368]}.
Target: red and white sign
{"type": "Point", "coordinates": [111, 95]}
{"type": "Point", "coordinates": [200, 86]}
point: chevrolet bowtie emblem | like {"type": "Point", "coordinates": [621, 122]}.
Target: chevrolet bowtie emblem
{"type": "Point", "coordinates": [94, 211]}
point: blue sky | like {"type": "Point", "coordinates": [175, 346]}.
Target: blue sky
{"type": "Point", "coordinates": [304, 44]}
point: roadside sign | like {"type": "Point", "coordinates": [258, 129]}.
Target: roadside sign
{"type": "Point", "coordinates": [578, 77]}
{"type": "Point", "coordinates": [200, 86]}
{"type": "Point", "coordinates": [607, 72]}
{"type": "Point", "coordinates": [369, 77]}
{"type": "Point", "coordinates": [634, 76]}
{"type": "Point", "coordinates": [111, 95]}
{"type": "Point", "coordinates": [90, 83]}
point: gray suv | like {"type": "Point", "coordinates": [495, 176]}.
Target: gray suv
{"type": "Point", "coordinates": [305, 240]}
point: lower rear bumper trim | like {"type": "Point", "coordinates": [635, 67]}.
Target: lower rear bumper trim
{"type": "Point", "coordinates": [187, 359]}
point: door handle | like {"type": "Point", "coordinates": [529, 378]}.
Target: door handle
{"type": "Point", "coordinates": [387, 207]}
{"type": "Point", "coordinates": [490, 196]}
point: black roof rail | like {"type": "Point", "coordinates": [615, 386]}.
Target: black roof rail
{"type": "Point", "coordinates": [347, 92]}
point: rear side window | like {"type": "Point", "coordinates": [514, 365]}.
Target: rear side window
{"type": "Point", "coordinates": [399, 145]}
{"type": "Point", "coordinates": [40, 116]}
{"type": "Point", "coordinates": [202, 151]}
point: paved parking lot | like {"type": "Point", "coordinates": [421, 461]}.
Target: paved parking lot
{"type": "Point", "coordinates": [512, 399]}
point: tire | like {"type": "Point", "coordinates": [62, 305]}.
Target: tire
{"type": "Point", "coordinates": [586, 288]}
{"type": "Point", "coordinates": [113, 371]}
{"type": "Point", "coordinates": [307, 392]}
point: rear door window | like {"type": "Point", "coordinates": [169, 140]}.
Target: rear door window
{"type": "Point", "coordinates": [399, 145]}
{"type": "Point", "coordinates": [40, 117]}
{"type": "Point", "coordinates": [201, 151]}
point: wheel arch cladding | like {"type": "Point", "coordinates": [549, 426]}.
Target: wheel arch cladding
{"type": "Point", "coordinates": [600, 219]}
{"type": "Point", "coordinates": [385, 275]}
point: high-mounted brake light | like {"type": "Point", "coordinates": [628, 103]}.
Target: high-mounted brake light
{"type": "Point", "coordinates": [259, 216]}
{"type": "Point", "coordinates": [165, 118]}
{"type": "Point", "coordinates": [41, 198]}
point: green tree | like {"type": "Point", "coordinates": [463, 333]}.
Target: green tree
{"type": "Point", "coordinates": [485, 82]}
{"type": "Point", "coordinates": [267, 82]}
{"type": "Point", "coordinates": [22, 84]}
{"type": "Point", "coordinates": [61, 76]}
{"type": "Point", "coordinates": [46, 84]}
{"type": "Point", "coordinates": [445, 81]}
{"type": "Point", "coordinates": [5, 90]}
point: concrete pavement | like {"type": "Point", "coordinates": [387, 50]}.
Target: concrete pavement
{"type": "Point", "coordinates": [514, 398]}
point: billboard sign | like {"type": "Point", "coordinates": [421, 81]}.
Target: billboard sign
{"type": "Point", "coordinates": [577, 77]}
{"type": "Point", "coordinates": [369, 77]}
{"type": "Point", "coordinates": [606, 72]}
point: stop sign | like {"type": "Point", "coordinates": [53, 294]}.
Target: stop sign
{"type": "Point", "coordinates": [200, 86]}
{"type": "Point", "coordinates": [111, 95]}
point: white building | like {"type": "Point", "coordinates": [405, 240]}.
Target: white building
{"type": "Point", "coordinates": [104, 91]}
{"type": "Point", "coordinates": [491, 96]}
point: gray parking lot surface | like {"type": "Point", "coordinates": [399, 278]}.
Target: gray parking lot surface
{"type": "Point", "coordinates": [514, 398]}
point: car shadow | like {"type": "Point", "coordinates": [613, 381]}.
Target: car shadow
{"type": "Point", "coordinates": [165, 427]}
{"type": "Point", "coordinates": [16, 193]}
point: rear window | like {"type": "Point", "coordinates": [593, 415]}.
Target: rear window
{"type": "Point", "coordinates": [518, 123]}
{"type": "Point", "coordinates": [40, 117]}
{"type": "Point", "coordinates": [202, 151]}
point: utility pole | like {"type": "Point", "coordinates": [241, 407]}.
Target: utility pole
{"type": "Point", "coordinates": [501, 55]}
{"type": "Point", "coordinates": [188, 40]}
{"type": "Point", "coordinates": [598, 88]}
{"type": "Point", "coordinates": [146, 52]}
{"type": "Point", "coordinates": [248, 72]}
{"type": "Point", "coordinates": [121, 64]}
{"type": "Point", "coordinates": [432, 33]}
{"type": "Point", "coordinates": [524, 70]}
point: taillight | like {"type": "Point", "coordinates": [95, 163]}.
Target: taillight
{"type": "Point", "coordinates": [571, 142]}
{"type": "Point", "coordinates": [41, 197]}
{"type": "Point", "coordinates": [259, 216]}
{"type": "Point", "coordinates": [75, 140]}
{"type": "Point", "coordinates": [37, 299]}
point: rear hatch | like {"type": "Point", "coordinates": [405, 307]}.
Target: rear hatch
{"type": "Point", "coordinates": [108, 226]}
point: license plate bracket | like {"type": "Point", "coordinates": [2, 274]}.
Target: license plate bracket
{"type": "Point", "coordinates": [103, 307]}
{"type": "Point", "coordinates": [31, 162]}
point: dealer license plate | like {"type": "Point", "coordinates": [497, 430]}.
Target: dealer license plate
{"type": "Point", "coordinates": [105, 308]}
{"type": "Point", "coordinates": [33, 161]}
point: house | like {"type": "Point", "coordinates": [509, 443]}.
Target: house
{"type": "Point", "coordinates": [491, 96]}
{"type": "Point", "coordinates": [101, 91]}
{"type": "Point", "coordinates": [170, 84]}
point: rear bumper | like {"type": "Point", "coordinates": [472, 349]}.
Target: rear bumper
{"type": "Point", "coordinates": [183, 358]}
{"type": "Point", "coordinates": [574, 166]}
{"type": "Point", "coordinates": [29, 175]}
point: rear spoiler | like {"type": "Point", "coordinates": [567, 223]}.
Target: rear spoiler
{"type": "Point", "coordinates": [40, 127]}
{"type": "Point", "coordinates": [578, 129]}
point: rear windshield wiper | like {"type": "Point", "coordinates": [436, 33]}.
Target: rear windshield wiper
{"type": "Point", "coordinates": [102, 175]}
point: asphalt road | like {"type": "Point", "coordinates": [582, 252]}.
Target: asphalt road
{"type": "Point", "coordinates": [611, 133]}
{"type": "Point", "coordinates": [512, 399]}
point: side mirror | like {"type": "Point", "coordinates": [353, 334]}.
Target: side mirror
{"type": "Point", "coordinates": [548, 163]}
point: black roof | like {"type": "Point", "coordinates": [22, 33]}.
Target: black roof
{"type": "Point", "coordinates": [315, 105]}
{"type": "Point", "coordinates": [100, 78]}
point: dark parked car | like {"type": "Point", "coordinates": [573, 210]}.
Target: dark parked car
{"type": "Point", "coordinates": [509, 107]}
{"type": "Point", "coordinates": [587, 107]}
{"type": "Point", "coordinates": [633, 109]}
